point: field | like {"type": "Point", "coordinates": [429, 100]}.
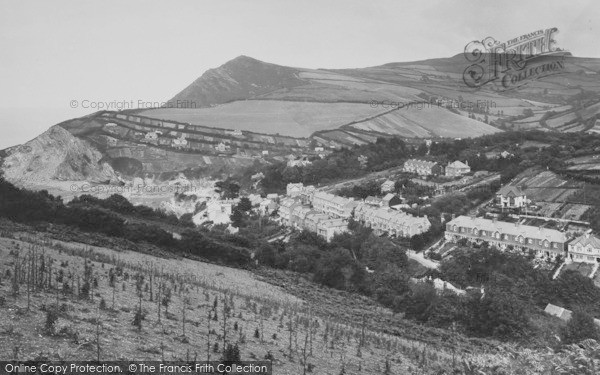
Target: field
{"type": "Point", "coordinates": [545, 186]}
{"type": "Point", "coordinates": [95, 312]}
{"type": "Point", "coordinates": [297, 119]}
{"type": "Point", "coordinates": [585, 163]}
{"type": "Point", "coordinates": [426, 121]}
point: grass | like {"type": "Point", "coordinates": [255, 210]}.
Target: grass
{"type": "Point", "coordinates": [297, 119]}
{"type": "Point", "coordinates": [267, 300]}
{"type": "Point", "coordinates": [427, 121]}
{"type": "Point", "coordinates": [583, 268]}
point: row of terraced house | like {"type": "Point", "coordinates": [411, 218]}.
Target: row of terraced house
{"type": "Point", "coordinates": [328, 214]}
{"type": "Point", "coordinates": [542, 241]}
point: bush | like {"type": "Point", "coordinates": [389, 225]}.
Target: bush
{"type": "Point", "coordinates": [581, 326]}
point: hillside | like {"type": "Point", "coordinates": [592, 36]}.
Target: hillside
{"type": "Point", "coordinates": [548, 102]}
{"type": "Point", "coordinates": [93, 294]}
{"type": "Point", "coordinates": [238, 79]}
{"type": "Point", "coordinates": [248, 111]}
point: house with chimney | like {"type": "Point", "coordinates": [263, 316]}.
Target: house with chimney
{"type": "Point", "coordinates": [394, 223]}
{"type": "Point", "coordinates": [422, 167]}
{"type": "Point", "coordinates": [457, 168]}
{"type": "Point", "coordinates": [333, 205]}
{"type": "Point", "coordinates": [543, 241]}
{"type": "Point", "coordinates": [511, 197]}
{"type": "Point", "coordinates": [585, 249]}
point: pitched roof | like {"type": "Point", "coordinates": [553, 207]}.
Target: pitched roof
{"type": "Point", "coordinates": [511, 190]}
{"type": "Point", "coordinates": [527, 231]}
{"type": "Point", "coordinates": [421, 163]}
{"type": "Point", "coordinates": [587, 239]}
{"type": "Point", "coordinates": [372, 200]}
{"type": "Point", "coordinates": [558, 311]}
{"type": "Point", "coordinates": [458, 164]}
{"type": "Point", "coordinates": [389, 197]}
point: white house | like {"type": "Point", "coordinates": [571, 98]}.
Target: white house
{"type": "Point", "coordinates": [329, 228]}
{"type": "Point", "coordinates": [457, 168]}
{"type": "Point", "coordinates": [511, 197]}
{"type": "Point", "coordinates": [585, 249]}
{"type": "Point", "coordinates": [222, 147]}
{"type": "Point", "coordinates": [219, 212]}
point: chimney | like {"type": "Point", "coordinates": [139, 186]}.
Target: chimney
{"type": "Point", "coordinates": [453, 216]}
{"type": "Point", "coordinates": [494, 219]}
{"type": "Point", "coordinates": [587, 235]}
{"type": "Point", "coordinates": [516, 224]}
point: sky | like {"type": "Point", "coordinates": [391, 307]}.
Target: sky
{"type": "Point", "coordinates": [57, 57]}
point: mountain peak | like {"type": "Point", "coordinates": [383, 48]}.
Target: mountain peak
{"type": "Point", "coordinates": [241, 78]}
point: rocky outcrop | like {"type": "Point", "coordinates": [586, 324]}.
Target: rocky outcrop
{"type": "Point", "coordinates": [56, 155]}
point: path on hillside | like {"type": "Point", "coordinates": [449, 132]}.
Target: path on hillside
{"type": "Point", "coordinates": [371, 176]}
{"type": "Point", "coordinates": [419, 257]}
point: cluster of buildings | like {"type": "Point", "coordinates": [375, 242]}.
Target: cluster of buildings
{"type": "Point", "coordinates": [542, 241]}
{"type": "Point", "coordinates": [328, 214]}
{"type": "Point", "coordinates": [295, 214]}
{"type": "Point", "coordinates": [431, 168]}
{"type": "Point", "coordinates": [386, 220]}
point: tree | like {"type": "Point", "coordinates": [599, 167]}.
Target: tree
{"type": "Point", "coordinates": [265, 254]}
{"type": "Point", "coordinates": [581, 326]}
{"type": "Point", "coordinates": [245, 205]}
{"type": "Point", "coordinates": [497, 314]}
{"type": "Point", "coordinates": [237, 218]}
